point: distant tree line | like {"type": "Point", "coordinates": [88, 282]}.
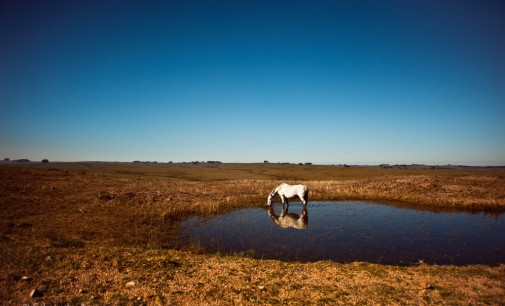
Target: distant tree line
{"type": "Point", "coordinates": [144, 162]}
{"type": "Point", "coordinates": [23, 160]}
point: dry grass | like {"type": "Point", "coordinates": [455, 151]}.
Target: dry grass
{"type": "Point", "coordinates": [82, 231]}
{"type": "Point", "coordinates": [100, 275]}
{"type": "Point", "coordinates": [472, 192]}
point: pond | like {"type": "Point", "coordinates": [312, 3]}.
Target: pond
{"type": "Point", "coordinates": [353, 231]}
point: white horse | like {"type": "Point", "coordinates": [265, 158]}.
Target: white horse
{"type": "Point", "coordinates": [286, 192]}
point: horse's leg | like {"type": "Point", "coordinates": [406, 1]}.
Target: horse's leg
{"type": "Point", "coordinates": [303, 200]}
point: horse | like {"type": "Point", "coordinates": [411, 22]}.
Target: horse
{"type": "Point", "coordinates": [286, 192]}
{"type": "Point", "coordinates": [289, 219]}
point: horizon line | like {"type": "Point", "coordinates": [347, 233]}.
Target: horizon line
{"type": "Point", "coordinates": [26, 161]}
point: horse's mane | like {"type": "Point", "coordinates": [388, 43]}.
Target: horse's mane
{"type": "Point", "coordinates": [273, 191]}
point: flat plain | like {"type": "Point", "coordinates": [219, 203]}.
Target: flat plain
{"type": "Point", "coordinates": [96, 232]}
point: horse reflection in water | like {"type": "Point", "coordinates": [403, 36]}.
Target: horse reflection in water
{"type": "Point", "coordinates": [287, 219]}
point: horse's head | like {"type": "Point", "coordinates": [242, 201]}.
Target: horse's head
{"type": "Point", "coordinates": [269, 200]}
{"type": "Point", "coordinates": [271, 196]}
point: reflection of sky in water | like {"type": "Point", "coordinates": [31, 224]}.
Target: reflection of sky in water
{"type": "Point", "coordinates": [356, 231]}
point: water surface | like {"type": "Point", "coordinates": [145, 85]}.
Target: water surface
{"type": "Point", "coordinates": [353, 231]}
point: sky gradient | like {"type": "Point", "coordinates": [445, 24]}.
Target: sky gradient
{"type": "Point", "coordinates": [327, 82]}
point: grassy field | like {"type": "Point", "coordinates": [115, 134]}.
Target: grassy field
{"type": "Point", "coordinates": [105, 233]}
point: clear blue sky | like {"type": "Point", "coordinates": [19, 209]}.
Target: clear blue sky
{"type": "Point", "coordinates": [357, 82]}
